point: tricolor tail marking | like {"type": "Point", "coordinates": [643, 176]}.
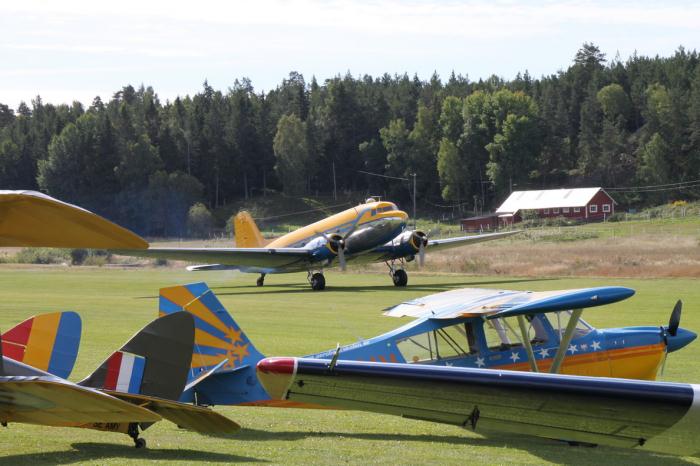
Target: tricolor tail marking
{"type": "Point", "coordinates": [48, 342]}
{"type": "Point", "coordinates": [217, 336]}
{"type": "Point", "coordinates": [124, 372]}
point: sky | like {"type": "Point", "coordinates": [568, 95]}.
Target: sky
{"type": "Point", "coordinates": [76, 49]}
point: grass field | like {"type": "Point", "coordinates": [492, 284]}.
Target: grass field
{"type": "Point", "coordinates": [285, 318]}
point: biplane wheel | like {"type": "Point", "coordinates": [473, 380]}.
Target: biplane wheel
{"type": "Point", "coordinates": [318, 281]}
{"type": "Point", "coordinates": [140, 442]}
{"type": "Point", "coordinates": [400, 277]}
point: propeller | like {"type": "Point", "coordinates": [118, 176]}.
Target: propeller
{"type": "Point", "coordinates": [338, 244]}
{"type": "Point", "coordinates": [419, 240]}
{"type": "Point", "coordinates": [672, 329]}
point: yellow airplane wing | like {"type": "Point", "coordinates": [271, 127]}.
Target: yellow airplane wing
{"type": "Point", "coordinates": [53, 402]}
{"type": "Point", "coordinates": [33, 219]}
{"type": "Point", "coordinates": [196, 418]}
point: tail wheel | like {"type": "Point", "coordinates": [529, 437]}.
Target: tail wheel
{"type": "Point", "coordinates": [400, 277]}
{"type": "Point", "coordinates": [318, 281]}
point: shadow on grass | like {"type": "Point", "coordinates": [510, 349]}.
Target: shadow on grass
{"type": "Point", "coordinates": [293, 288]}
{"type": "Point", "coordinates": [550, 450]}
{"type": "Point", "coordinates": [94, 452]}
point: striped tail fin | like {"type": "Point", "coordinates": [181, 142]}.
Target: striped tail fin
{"type": "Point", "coordinates": [217, 336]}
{"type": "Point", "coordinates": [48, 342]}
{"type": "Point", "coordinates": [155, 362]}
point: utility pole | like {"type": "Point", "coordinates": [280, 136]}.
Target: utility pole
{"type": "Point", "coordinates": [415, 220]}
{"type": "Point", "coordinates": [335, 193]}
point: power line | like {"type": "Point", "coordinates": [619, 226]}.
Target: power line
{"type": "Point", "coordinates": [677, 185]}
{"type": "Point", "coordinates": [383, 176]}
{"type": "Point", "coordinates": [303, 211]}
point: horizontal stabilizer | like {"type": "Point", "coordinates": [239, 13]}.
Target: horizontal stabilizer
{"type": "Point", "coordinates": [195, 418]}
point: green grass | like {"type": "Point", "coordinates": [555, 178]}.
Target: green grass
{"type": "Point", "coordinates": [286, 318]}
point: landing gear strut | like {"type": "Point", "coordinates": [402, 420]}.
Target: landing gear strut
{"type": "Point", "coordinates": [317, 280]}
{"type": "Point", "coordinates": [261, 280]}
{"type": "Point", "coordinates": [398, 274]}
{"type": "Point", "coordinates": [134, 434]}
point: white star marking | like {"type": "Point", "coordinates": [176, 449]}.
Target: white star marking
{"type": "Point", "coordinates": [514, 356]}
{"type": "Point", "coordinates": [584, 347]}
{"type": "Point", "coordinates": [448, 364]}
{"type": "Point", "coordinates": [480, 362]}
{"type": "Point", "coordinates": [544, 353]}
{"type": "Point", "coordinates": [595, 345]}
{"type": "Point", "coordinates": [573, 348]}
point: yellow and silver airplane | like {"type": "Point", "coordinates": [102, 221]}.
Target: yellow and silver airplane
{"type": "Point", "coordinates": [374, 231]}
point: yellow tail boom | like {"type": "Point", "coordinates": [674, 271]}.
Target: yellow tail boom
{"type": "Point", "coordinates": [246, 231]}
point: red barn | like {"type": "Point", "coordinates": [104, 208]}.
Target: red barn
{"type": "Point", "coordinates": [586, 204]}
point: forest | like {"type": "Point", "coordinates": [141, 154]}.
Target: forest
{"type": "Point", "coordinates": [144, 163]}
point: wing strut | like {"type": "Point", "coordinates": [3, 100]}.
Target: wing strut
{"type": "Point", "coordinates": [526, 342]}
{"type": "Point", "coordinates": [565, 340]}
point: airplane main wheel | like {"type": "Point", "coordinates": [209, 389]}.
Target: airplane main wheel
{"type": "Point", "coordinates": [318, 281]}
{"type": "Point", "coordinates": [400, 277]}
{"type": "Point", "coordinates": [140, 442]}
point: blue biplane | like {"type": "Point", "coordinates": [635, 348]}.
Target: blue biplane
{"type": "Point", "coordinates": [471, 328]}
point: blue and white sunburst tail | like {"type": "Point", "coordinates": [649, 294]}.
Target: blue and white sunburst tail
{"type": "Point", "coordinates": [222, 356]}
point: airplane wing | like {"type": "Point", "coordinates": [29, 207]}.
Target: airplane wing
{"type": "Point", "coordinates": [222, 258]}
{"type": "Point", "coordinates": [54, 402]}
{"type": "Point", "coordinates": [448, 243]}
{"type": "Point", "coordinates": [656, 416]}
{"type": "Point", "coordinates": [33, 219]}
{"type": "Point", "coordinates": [491, 304]}
{"type": "Point", "coordinates": [191, 417]}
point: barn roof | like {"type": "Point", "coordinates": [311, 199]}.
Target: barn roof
{"type": "Point", "coordinates": [547, 199]}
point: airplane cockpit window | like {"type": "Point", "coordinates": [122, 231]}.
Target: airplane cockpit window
{"type": "Point", "coordinates": [504, 333]}
{"type": "Point", "coordinates": [373, 212]}
{"type": "Point", "coordinates": [560, 320]}
{"type": "Point", "coordinates": [443, 343]}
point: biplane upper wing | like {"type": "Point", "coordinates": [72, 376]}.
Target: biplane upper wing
{"type": "Point", "coordinates": [30, 218]}
{"type": "Point", "coordinates": [656, 416]}
{"type": "Point", "coordinates": [51, 401]}
{"type": "Point", "coordinates": [263, 258]}
{"type": "Point", "coordinates": [471, 302]}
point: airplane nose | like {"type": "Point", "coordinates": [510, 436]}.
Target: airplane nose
{"type": "Point", "coordinates": [403, 215]}
{"type": "Point", "coordinates": [680, 339]}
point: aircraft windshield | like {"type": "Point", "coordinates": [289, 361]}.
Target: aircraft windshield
{"type": "Point", "coordinates": [560, 320]}
{"type": "Point", "coordinates": [447, 342]}
{"type": "Point", "coordinates": [504, 333]}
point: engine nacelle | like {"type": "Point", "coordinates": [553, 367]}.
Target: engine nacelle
{"type": "Point", "coordinates": [407, 243]}
{"type": "Point", "coordinates": [326, 248]}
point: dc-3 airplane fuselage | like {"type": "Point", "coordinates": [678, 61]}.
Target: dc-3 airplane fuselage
{"type": "Point", "coordinates": [374, 231]}
{"type": "Point", "coordinates": [470, 328]}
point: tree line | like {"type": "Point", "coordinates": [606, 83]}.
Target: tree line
{"type": "Point", "coordinates": [144, 163]}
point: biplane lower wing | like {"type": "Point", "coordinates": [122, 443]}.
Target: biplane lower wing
{"type": "Point", "coordinates": [54, 402]}
{"type": "Point", "coordinates": [195, 418]}
{"type": "Point", "coordinates": [655, 416]}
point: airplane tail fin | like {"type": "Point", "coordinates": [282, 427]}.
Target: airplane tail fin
{"type": "Point", "coordinates": [48, 342]}
{"type": "Point", "coordinates": [247, 233]}
{"type": "Point", "coordinates": [154, 362]}
{"type": "Point", "coordinates": [221, 348]}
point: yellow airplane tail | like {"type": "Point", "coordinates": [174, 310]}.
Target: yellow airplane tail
{"type": "Point", "coordinates": [246, 231]}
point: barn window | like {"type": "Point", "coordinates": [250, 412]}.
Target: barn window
{"type": "Point", "coordinates": [565, 210]}
{"type": "Point", "coordinates": [545, 211]}
{"type": "Point", "coordinates": [577, 210]}
{"type": "Point", "coordinates": [555, 211]}
{"type": "Point", "coordinates": [606, 208]}
{"type": "Point", "coordinates": [593, 208]}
